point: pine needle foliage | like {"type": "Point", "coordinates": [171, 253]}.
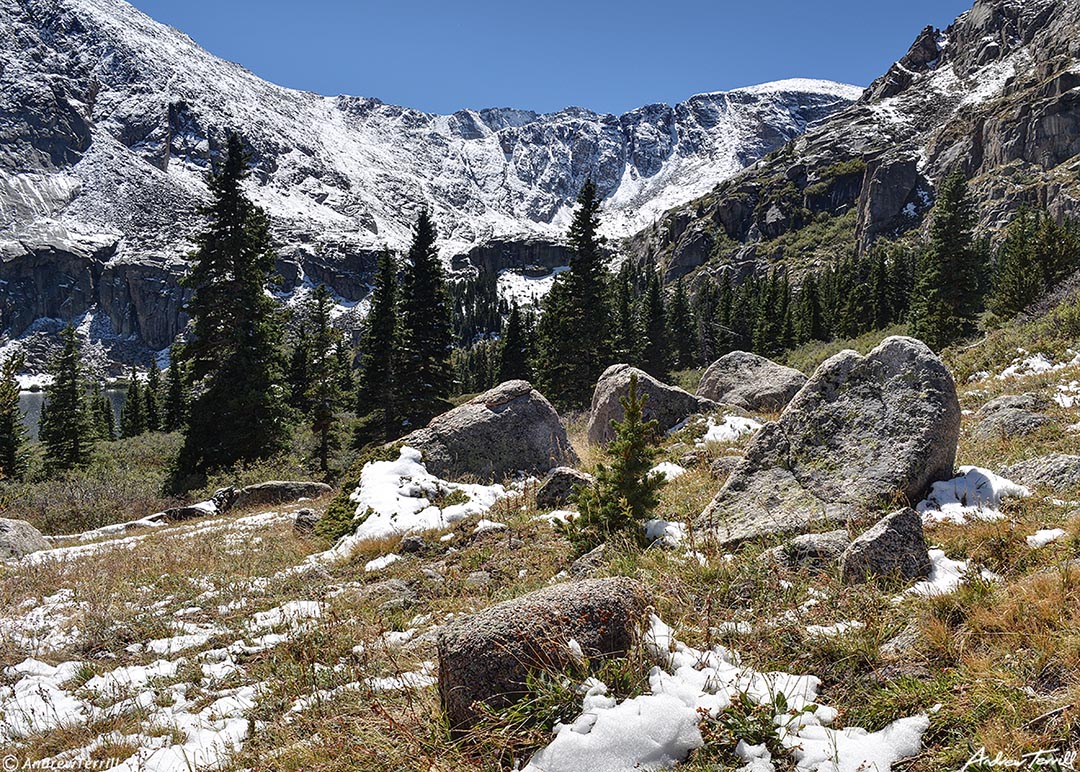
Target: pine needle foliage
{"type": "Point", "coordinates": [626, 491]}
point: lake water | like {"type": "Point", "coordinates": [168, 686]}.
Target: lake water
{"type": "Point", "coordinates": [30, 402]}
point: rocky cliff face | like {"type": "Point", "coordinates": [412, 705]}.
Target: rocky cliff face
{"type": "Point", "coordinates": [997, 94]}
{"type": "Point", "coordinates": [109, 122]}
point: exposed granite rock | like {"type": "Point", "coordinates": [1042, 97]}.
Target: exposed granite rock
{"type": "Point", "coordinates": [895, 548]}
{"type": "Point", "coordinates": [750, 382]}
{"type": "Point", "coordinates": [668, 405]}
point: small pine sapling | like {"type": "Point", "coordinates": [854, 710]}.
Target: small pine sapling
{"type": "Point", "coordinates": [626, 491]}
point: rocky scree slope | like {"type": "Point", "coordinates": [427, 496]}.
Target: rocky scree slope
{"type": "Point", "coordinates": [997, 95]}
{"type": "Point", "coordinates": [109, 122]}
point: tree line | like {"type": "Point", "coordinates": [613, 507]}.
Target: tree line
{"type": "Point", "coordinates": [249, 372]}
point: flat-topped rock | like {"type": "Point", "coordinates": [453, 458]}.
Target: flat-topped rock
{"type": "Point", "coordinates": [750, 382]}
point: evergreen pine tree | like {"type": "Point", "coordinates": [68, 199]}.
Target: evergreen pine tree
{"type": "Point", "coordinates": [298, 376]}
{"type": "Point", "coordinates": [12, 432]}
{"type": "Point", "coordinates": [152, 399]}
{"type": "Point", "coordinates": [324, 392]}
{"type": "Point", "coordinates": [655, 358]}
{"type": "Point", "coordinates": [810, 321]}
{"type": "Point", "coordinates": [175, 412]}
{"type": "Point", "coordinates": [626, 491]}
{"type": "Point", "coordinates": [133, 413]}
{"type": "Point", "coordinates": [514, 356]}
{"type": "Point", "coordinates": [681, 328]}
{"type": "Point", "coordinates": [573, 339]}
{"type": "Point", "coordinates": [1019, 278]}
{"type": "Point", "coordinates": [1058, 248]}
{"type": "Point", "coordinates": [238, 410]}
{"type": "Point", "coordinates": [66, 428]}
{"type": "Point", "coordinates": [104, 416]}
{"type": "Point", "coordinates": [346, 375]}
{"type": "Point", "coordinates": [946, 298]}
{"type": "Point", "coordinates": [880, 296]}
{"type": "Point", "coordinates": [424, 377]}
{"type": "Point", "coordinates": [375, 391]}
{"type": "Point", "coordinates": [626, 333]}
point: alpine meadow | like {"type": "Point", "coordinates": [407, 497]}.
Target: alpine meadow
{"type": "Point", "coordinates": [740, 434]}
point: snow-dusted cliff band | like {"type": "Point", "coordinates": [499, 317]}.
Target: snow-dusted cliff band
{"type": "Point", "coordinates": [109, 121]}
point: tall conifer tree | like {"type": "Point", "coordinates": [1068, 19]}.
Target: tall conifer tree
{"type": "Point", "coordinates": [152, 399]}
{"type": "Point", "coordinates": [133, 413]}
{"type": "Point", "coordinates": [681, 328]}
{"type": "Point", "coordinates": [425, 378]}
{"type": "Point", "coordinates": [175, 408]}
{"type": "Point", "coordinates": [514, 357]}
{"type": "Point", "coordinates": [12, 431]}
{"type": "Point", "coordinates": [375, 392]}
{"type": "Point", "coordinates": [573, 340]}
{"type": "Point", "coordinates": [66, 428]}
{"type": "Point", "coordinates": [238, 411]}
{"type": "Point", "coordinates": [656, 359]}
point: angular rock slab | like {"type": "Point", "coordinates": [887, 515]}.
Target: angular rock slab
{"type": "Point", "coordinates": [811, 550]}
{"type": "Point", "coordinates": [1055, 471]}
{"type": "Point", "coordinates": [895, 548]}
{"type": "Point", "coordinates": [862, 432]}
{"type": "Point", "coordinates": [667, 405]}
{"type": "Point", "coordinates": [511, 428]}
{"type": "Point", "coordinates": [750, 382]}
{"type": "Point", "coordinates": [561, 486]}
{"type": "Point", "coordinates": [486, 658]}
{"type": "Point", "coordinates": [280, 492]}
{"type": "Point", "coordinates": [19, 538]}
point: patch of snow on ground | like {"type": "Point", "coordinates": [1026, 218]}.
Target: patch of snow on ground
{"type": "Point", "coordinates": [1044, 537]}
{"type": "Point", "coordinates": [396, 497]}
{"type": "Point", "coordinates": [976, 494]}
{"type": "Point", "coordinates": [1033, 364]}
{"type": "Point", "coordinates": [945, 576]}
{"type": "Point", "coordinates": [1068, 394]}
{"type": "Point", "coordinates": [378, 564]}
{"type": "Point", "coordinates": [657, 730]}
{"type": "Point", "coordinates": [729, 430]}
{"type": "Point", "coordinates": [514, 286]}
{"type": "Point", "coordinates": [667, 533]}
{"type": "Point", "coordinates": [834, 630]}
{"type": "Point", "coordinates": [668, 469]}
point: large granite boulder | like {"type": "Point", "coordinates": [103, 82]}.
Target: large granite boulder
{"type": "Point", "coordinates": [19, 538]}
{"type": "Point", "coordinates": [862, 432]}
{"type": "Point", "coordinates": [486, 658]}
{"type": "Point", "coordinates": [750, 382]}
{"type": "Point", "coordinates": [894, 548]}
{"type": "Point", "coordinates": [280, 492]}
{"type": "Point", "coordinates": [511, 428]}
{"type": "Point", "coordinates": [1055, 472]}
{"type": "Point", "coordinates": [668, 405]}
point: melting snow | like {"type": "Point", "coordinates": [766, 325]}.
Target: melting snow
{"type": "Point", "coordinates": [976, 494]}
{"type": "Point", "coordinates": [1044, 537]}
{"type": "Point", "coordinates": [729, 430]}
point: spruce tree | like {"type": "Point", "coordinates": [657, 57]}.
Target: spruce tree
{"type": "Point", "coordinates": [626, 491]}
{"type": "Point", "coordinates": [880, 296]}
{"type": "Point", "coordinates": [66, 430]}
{"type": "Point", "coordinates": [12, 432]}
{"type": "Point", "coordinates": [346, 375]}
{"type": "Point", "coordinates": [573, 338]}
{"type": "Point", "coordinates": [238, 411]}
{"type": "Point", "coordinates": [656, 357]}
{"type": "Point", "coordinates": [681, 328]}
{"type": "Point", "coordinates": [514, 356]}
{"type": "Point", "coordinates": [104, 416]}
{"type": "Point", "coordinates": [424, 378]}
{"type": "Point", "coordinates": [946, 299]}
{"type": "Point", "coordinates": [175, 409]}
{"type": "Point", "coordinates": [626, 332]}
{"type": "Point", "coordinates": [375, 391]}
{"type": "Point", "coordinates": [1019, 278]}
{"type": "Point", "coordinates": [298, 376]}
{"type": "Point", "coordinates": [810, 320]}
{"type": "Point", "coordinates": [324, 392]}
{"type": "Point", "coordinates": [152, 399]}
{"type": "Point", "coordinates": [133, 413]}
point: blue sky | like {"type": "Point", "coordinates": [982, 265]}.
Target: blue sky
{"type": "Point", "coordinates": [547, 54]}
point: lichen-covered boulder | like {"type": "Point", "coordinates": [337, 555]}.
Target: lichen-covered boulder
{"type": "Point", "coordinates": [863, 431]}
{"type": "Point", "coordinates": [561, 487]}
{"type": "Point", "coordinates": [19, 538]}
{"type": "Point", "coordinates": [894, 548]}
{"type": "Point", "coordinates": [1056, 472]}
{"type": "Point", "coordinates": [667, 405]}
{"type": "Point", "coordinates": [810, 550]}
{"type": "Point", "coordinates": [750, 382]}
{"type": "Point", "coordinates": [485, 659]}
{"type": "Point", "coordinates": [511, 428]}
{"type": "Point", "coordinates": [276, 492]}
